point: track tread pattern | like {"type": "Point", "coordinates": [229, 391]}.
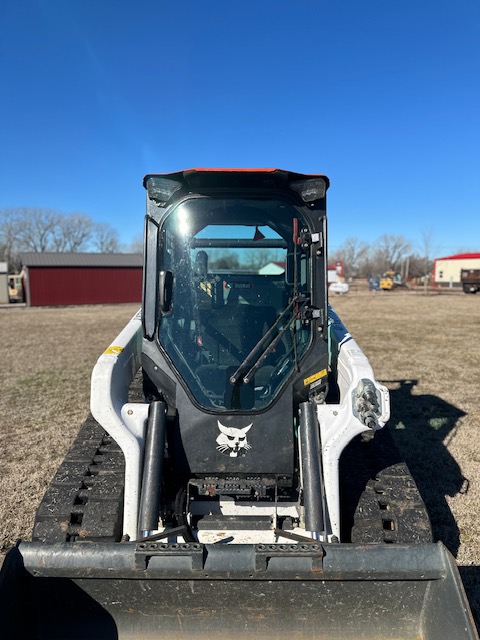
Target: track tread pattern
{"type": "Point", "coordinates": [85, 498]}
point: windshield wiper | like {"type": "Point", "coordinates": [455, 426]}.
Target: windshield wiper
{"type": "Point", "coordinates": [264, 346]}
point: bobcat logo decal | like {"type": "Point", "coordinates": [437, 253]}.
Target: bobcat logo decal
{"type": "Point", "coordinates": [231, 441]}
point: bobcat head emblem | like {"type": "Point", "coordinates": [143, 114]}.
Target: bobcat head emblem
{"type": "Point", "coordinates": [231, 441]}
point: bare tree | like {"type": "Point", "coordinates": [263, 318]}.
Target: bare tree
{"type": "Point", "coordinates": [10, 225]}
{"type": "Point", "coordinates": [226, 260]}
{"type": "Point", "coordinates": [353, 253]}
{"type": "Point", "coordinates": [416, 266]}
{"type": "Point", "coordinates": [427, 249]}
{"type": "Point", "coordinates": [72, 233]}
{"type": "Point", "coordinates": [37, 231]}
{"type": "Point", "coordinates": [258, 258]}
{"type": "Point", "coordinates": [387, 252]}
{"type": "Point", "coordinates": [390, 251]}
{"type": "Point", "coordinates": [104, 238]}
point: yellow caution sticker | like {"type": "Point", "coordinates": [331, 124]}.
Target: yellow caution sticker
{"type": "Point", "coordinates": [315, 377]}
{"type": "Point", "coordinates": [207, 287]}
{"type": "Point", "coordinates": [113, 350]}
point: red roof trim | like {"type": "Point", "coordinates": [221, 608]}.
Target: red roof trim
{"type": "Point", "coordinates": [462, 256]}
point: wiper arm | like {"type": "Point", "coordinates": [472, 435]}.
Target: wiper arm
{"type": "Point", "coordinates": [265, 353]}
{"type": "Point", "coordinates": [267, 342]}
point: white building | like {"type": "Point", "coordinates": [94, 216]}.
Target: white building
{"type": "Point", "coordinates": [446, 271]}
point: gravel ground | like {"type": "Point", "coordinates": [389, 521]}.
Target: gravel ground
{"type": "Point", "coordinates": [425, 348]}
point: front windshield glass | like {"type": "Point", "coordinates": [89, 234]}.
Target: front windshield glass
{"type": "Point", "coordinates": [234, 331]}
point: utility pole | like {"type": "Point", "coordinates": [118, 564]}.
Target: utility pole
{"type": "Point", "coordinates": [407, 268]}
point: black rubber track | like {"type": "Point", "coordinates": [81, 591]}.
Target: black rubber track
{"type": "Point", "coordinates": [85, 498]}
{"type": "Point", "coordinates": [380, 500]}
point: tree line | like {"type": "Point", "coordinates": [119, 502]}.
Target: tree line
{"type": "Point", "coordinates": [24, 229]}
{"type": "Point", "coordinates": [365, 260]}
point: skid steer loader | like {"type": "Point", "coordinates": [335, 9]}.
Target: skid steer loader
{"type": "Point", "coordinates": [235, 478]}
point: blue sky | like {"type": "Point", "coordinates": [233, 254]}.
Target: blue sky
{"type": "Point", "coordinates": [382, 96]}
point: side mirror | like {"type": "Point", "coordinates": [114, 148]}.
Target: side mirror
{"type": "Point", "coordinates": [165, 284]}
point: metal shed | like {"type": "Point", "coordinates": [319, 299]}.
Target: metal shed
{"type": "Point", "coordinates": [446, 271]}
{"type": "Point", "coordinates": [57, 279]}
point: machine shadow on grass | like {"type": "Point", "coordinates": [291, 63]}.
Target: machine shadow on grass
{"type": "Point", "coordinates": [420, 424]}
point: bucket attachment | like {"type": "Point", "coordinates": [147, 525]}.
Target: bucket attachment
{"type": "Point", "coordinates": [190, 590]}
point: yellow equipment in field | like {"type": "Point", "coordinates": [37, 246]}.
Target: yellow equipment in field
{"type": "Point", "coordinates": [391, 280]}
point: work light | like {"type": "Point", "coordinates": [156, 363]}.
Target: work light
{"type": "Point", "coordinates": [309, 190]}
{"type": "Point", "coordinates": [162, 189]}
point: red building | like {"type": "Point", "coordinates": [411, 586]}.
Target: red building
{"type": "Point", "coordinates": [57, 279]}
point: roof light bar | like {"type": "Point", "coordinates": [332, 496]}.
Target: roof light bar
{"type": "Point", "coordinates": [162, 189]}
{"type": "Point", "coordinates": [311, 189]}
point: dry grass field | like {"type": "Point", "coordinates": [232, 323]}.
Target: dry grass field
{"type": "Point", "coordinates": [425, 348]}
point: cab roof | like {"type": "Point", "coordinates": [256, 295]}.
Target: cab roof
{"type": "Point", "coordinates": [230, 177]}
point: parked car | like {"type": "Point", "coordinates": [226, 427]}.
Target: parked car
{"type": "Point", "coordinates": [339, 287]}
